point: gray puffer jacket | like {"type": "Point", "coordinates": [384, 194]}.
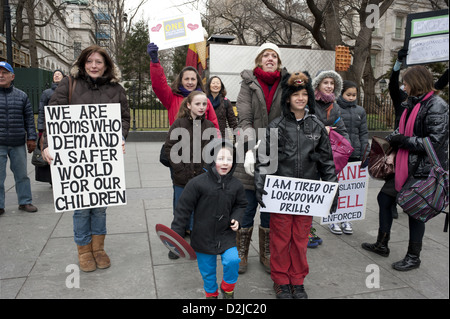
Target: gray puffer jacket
{"type": "Point", "coordinates": [16, 117]}
{"type": "Point", "coordinates": [355, 119]}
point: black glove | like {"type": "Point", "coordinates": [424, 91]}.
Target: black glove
{"type": "Point", "coordinates": [334, 206]}
{"type": "Point", "coordinates": [365, 163]}
{"type": "Point", "coordinates": [152, 50]}
{"type": "Point", "coordinates": [259, 194]}
{"type": "Point", "coordinates": [401, 55]}
{"type": "Point", "coordinates": [398, 140]}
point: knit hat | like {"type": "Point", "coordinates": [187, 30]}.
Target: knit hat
{"type": "Point", "coordinates": [58, 70]}
{"type": "Point", "coordinates": [269, 46]}
{"type": "Point", "coordinates": [329, 74]}
{"type": "Point", "coordinates": [291, 83]}
{"type": "Point", "coordinates": [7, 66]}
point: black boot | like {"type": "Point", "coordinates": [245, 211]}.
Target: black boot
{"type": "Point", "coordinates": [381, 246]}
{"type": "Point", "coordinates": [411, 260]}
{"type": "Point", "coordinates": [282, 291]}
{"type": "Point", "coordinates": [298, 292]}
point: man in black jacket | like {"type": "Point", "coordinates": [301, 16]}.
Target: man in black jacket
{"type": "Point", "coordinates": [16, 127]}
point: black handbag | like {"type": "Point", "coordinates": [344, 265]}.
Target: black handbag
{"type": "Point", "coordinates": [36, 158]}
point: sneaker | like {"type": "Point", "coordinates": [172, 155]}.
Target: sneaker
{"type": "Point", "coordinates": [227, 294]}
{"type": "Point", "coordinates": [29, 208]}
{"type": "Point", "coordinates": [298, 292]}
{"type": "Point", "coordinates": [316, 238]}
{"type": "Point", "coordinates": [335, 229]}
{"type": "Point", "coordinates": [311, 242]}
{"type": "Point", "coordinates": [282, 291]}
{"type": "Point", "coordinates": [173, 255]}
{"type": "Point", "coordinates": [347, 228]}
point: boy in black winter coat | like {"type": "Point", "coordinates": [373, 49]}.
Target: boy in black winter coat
{"type": "Point", "coordinates": [218, 201]}
{"type": "Point", "coordinates": [304, 151]}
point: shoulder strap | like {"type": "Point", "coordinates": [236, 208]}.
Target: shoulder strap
{"type": "Point", "coordinates": [431, 152]}
{"type": "Point", "coordinates": [72, 85]}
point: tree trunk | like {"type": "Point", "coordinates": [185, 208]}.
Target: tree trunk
{"type": "Point", "coordinates": [32, 45]}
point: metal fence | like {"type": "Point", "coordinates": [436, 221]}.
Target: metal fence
{"type": "Point", "coordinates": [147, 112]}
{"type": "Point", "coordinates": [380, 112]}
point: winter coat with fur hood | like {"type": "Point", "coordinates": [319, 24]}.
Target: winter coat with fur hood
{"type": "Point", "coordinates": [333, 117]}
{"type": "Point", "coordinates": [103, 90]}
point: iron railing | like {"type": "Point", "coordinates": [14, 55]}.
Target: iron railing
{"type": "Point", "coordinates": [147, 112]}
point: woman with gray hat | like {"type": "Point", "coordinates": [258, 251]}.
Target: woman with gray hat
{"type": "Point", "coordinates": [258, 103]}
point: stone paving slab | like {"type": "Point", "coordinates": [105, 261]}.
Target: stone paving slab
{"type": "Point", "coordinates": [37, 250]}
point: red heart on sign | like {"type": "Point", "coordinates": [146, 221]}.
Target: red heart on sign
{"type": "Point", "coordinates": [157, 28]}
{"type": "Point", "coordinates": [192, 26]}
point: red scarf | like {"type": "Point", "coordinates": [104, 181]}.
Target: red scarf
{"type": "Point", "coordinates": [267, 79]}
{"type": "Point", "coordinates": [406, 128]}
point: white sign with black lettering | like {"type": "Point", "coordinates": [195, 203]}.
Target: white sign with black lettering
{"type": "Point", "coordinates": [352, 202]}
{"type": "Point", "coordinates": [85, 142]}
{"type": "Point", "coordinates": [297, 196]}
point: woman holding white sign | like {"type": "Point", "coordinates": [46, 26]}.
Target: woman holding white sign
{"type": "Point", "coordinates": [304, 151]}
{"type": "Point", "coordinates": [93, 79]}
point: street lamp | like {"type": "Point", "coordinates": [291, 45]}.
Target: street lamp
{"type": "Point", "coordinates": [383, 84]}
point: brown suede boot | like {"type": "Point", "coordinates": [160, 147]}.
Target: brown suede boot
{"type": "Point", "coordinates": [101, 258]}
{"type": "Point", "coordinates": [86, 258]}
{"type": "Point", "coordinates": [264, 247]}
{"type": "Point", "coordinates": [243, 238]}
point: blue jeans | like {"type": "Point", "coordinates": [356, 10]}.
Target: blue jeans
{"type": "Point", "coordinates": [18, 164]}
{"type": "Point", "coordinates": [207, 264]}
{"type": "Point", "coordinates": [250, 212]}
{"type": "Point", "coordinates": [87, 222]}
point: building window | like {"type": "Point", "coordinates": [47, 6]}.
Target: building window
{"type": "Point", "coordinates": [399, 27]}
{"type": "Point", "coordinates": [373, 60]}
{"type": "Point", "coordinates": [76, 49]}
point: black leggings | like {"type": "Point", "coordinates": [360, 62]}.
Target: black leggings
{"type": "Point", "coordinates": [385, 203]}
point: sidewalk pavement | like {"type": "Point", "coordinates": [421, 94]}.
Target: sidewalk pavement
{"type": "Point", "coordinates": [37, 251]}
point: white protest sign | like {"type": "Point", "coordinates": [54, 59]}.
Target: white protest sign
{"type": "Point", "coordinates": [353, 187]}
{"type": "Point", "coordinates": [85, 142]}
{"type": "Point", "coordinates": [297, 196]}
{"type": "Point", "coordinates": [176, 31]}
{"type": "Point", "coordinates": [428, 49]}
{"type": "Point", "coordinates": [426, 37]}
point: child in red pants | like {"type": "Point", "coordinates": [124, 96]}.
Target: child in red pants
{"type": "Point", "coordinates": [304, 151]}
